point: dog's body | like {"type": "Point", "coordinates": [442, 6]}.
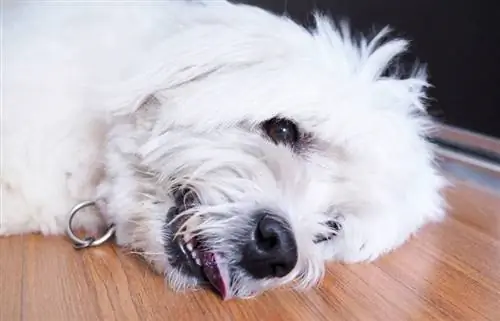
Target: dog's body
{"type": "Point", "coordinates": [130, 103]}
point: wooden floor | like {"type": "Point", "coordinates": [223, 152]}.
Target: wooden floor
{"type": "Point", "coordinates": [449, 272]}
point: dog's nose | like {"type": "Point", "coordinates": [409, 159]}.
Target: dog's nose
{"type": "Point", "coordinates": [272, 249]}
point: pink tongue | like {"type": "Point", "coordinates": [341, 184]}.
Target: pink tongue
{"type": "Point", "coordinates": [217, 273]}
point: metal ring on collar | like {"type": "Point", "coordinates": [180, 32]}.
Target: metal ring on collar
{"type": "Point", "coordinates": [89, 241]}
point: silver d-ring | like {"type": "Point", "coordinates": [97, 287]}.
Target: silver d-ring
{"type": "Point", "coordinates": [89, 241]}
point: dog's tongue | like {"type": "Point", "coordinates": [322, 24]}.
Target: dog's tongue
{"type": "Point", "coordinates": [217, 273]}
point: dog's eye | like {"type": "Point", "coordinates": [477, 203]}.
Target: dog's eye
{"type": "Point", "coordinates": [334, 227]}
{"type": "Point", "coordinates": [281, 131]}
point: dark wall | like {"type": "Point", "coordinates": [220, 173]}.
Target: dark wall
{"type": "Point", "coordinates": [458, 40]}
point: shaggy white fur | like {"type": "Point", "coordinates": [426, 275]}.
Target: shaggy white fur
{"type": "Point", "coordinates": [125, 101]}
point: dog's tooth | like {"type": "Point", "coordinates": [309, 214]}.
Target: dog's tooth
{"type": "Point", "coordinates": [193, 222]}
{"type": "Point", "coordinates": [182, 248]}
{"type": "Point", "coordinates": [189, 246]}
{"type": "Point", "coordinates": [198, 261]}
{"type": "Point", "coordinates": [194, 254]}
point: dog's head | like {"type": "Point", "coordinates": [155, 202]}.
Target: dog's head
{"type": "Point", "coordinates": [264, 149]}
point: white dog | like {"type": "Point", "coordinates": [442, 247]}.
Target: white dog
{"type": "Point", "coordinates": [225, 143]}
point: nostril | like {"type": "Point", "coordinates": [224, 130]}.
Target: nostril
{"type": "Point", "coordinates": [280, 270]}
{"type": "Point", "coordinates": [266, 236]}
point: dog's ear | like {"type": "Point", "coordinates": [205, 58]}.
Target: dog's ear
{"type": "Point", "coordinates": [191, 55]}
{"type": "Point", "coordinates": [212, 39]}
{"type": "Point", "coordinates": [377, 61]}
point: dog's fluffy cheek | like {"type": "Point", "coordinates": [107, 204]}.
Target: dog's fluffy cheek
{"type": "Point", "coordinates": [139, 221]}
{"type": "Point", "coordinates": [145, 236]}
{"type": "Point", "coordinates": [369, 237]}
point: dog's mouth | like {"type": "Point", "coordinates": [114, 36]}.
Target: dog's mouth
{"type": "Point", "coordinates": [210, 265]}
{"type": "Point", "coordinates": [197, 258]}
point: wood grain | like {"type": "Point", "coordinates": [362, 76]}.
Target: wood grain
{"type": "Point", "coordinates": [11, 278]}
{"type": "Point", "coordinates": [449, 271]}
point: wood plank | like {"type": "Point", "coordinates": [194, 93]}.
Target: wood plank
{"type": "Point", "coordinates": [112, 291]}
{"type": "Point", "coordinates": [56, 286]}
{"type": "Point", "coordinates": [11, 278]}
{"type": "Point", "coordinates": [440, 284]}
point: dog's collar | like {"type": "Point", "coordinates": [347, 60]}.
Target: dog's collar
{"type": "Point", "coordinates": [88, 241]}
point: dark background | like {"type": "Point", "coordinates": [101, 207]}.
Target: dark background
{"type": "Point", "coordinates": [458, 40]}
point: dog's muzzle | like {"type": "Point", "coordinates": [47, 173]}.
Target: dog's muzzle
{"type": "Point", "coordinates": [268, 248]}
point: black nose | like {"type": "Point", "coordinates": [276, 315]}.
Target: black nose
{"type": "Point", "coordinates": [272, 250]}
